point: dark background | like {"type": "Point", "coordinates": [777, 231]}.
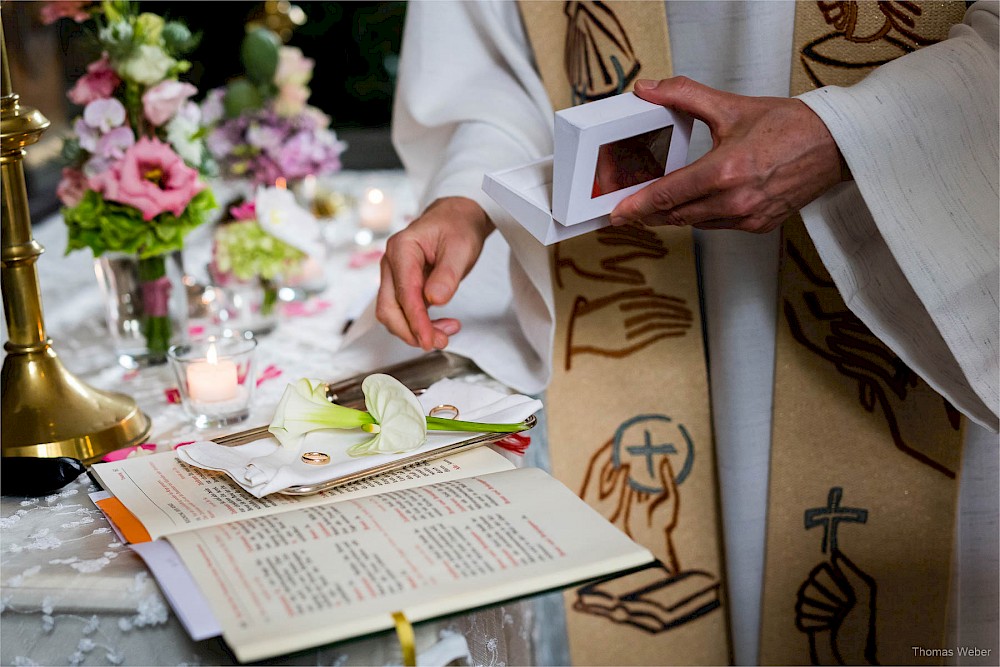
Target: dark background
{"type": "Point", "coordinates": [355, 46]}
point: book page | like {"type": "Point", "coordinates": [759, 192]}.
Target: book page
{"type": "Point", "coordinates": [168, 496]}
{"type": "Point", "coordinates": [324, 573]}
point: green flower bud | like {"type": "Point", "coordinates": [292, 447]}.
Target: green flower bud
{"type": "Point", "coordinates": [241, 95]}
{"type": "Point", "coordinates": [178, 37]}
{"type": "Point", "coordinates": [148, 28]}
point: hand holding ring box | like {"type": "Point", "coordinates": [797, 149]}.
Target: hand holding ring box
{"type": "Point", "coordinates": [604, 152]}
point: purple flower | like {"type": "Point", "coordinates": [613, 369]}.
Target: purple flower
{"type": "Point", "coordinates": [115, 143]}
{"type": "Point", "coordinates": [104, 114]}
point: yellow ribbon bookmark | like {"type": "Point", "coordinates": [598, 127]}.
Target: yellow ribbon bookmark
{"type": "Point", "coordinates": [407, 644]}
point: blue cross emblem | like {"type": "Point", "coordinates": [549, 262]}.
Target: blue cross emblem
{"type": "Point", "coordinates": [652, 444]}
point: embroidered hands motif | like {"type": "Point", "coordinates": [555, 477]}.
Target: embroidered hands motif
{"type": "Point", "coordinates": [820, 321]}
{"type": "Point", "coordinates": [835, 606]}
{"type": "Point", "coordinates": [639, 318]}
{"type": "Point", "coordinates": [626, 246]}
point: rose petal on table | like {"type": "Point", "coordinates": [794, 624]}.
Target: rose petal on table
{"type": "Point", "coordinates": [515, 442]}
{"type": "Point", "coordinates": [307, 309]}
{"type": "Point", "coordinates": [173, 395]}
{"type": "Point", "coordinates": [126, 452]}
{"type": "Point", "coordinates": [269, 373]}
{"type": "Point", "coordinates": [365, 257]}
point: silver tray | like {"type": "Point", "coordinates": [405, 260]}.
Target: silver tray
{"type": "Point", "coordinates": [417, 375]}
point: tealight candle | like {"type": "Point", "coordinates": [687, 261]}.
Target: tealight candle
{"type": "Point", "coordinates": [213, 380]}
{"type": "Point", "coordinates": [375, 211]}
{"type": "Point", "coordinates": [216, 378]}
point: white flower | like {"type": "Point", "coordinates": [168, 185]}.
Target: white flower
{"type": "Point", "coordinates": [148, 65]}
{"type": "Point", "coordinates": [400, 418]}
{"type": "Point", "coordinates": [281, 216]}
{"type": "Point", "coordinates": [304, 408]}
{"type": "Point", "coordinates": [182, 133]}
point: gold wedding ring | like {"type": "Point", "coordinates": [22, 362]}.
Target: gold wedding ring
{"type": "Point", "coordinates": [316, 458]}
{"type": "Point", "coordinates": [444, 411]}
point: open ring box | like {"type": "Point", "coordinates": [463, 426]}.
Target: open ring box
{"type": "Point", "coordinates": [604, 151]}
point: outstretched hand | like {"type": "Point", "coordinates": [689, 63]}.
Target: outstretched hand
{"type": "Point", "coordinates": [770, 157]}
{"type": "Point", "coordinates": [423, 265]}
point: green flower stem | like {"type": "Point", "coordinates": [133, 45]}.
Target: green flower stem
{"type": "Point", "coordinates": [439, 424]}
{"type": "Point", "coordinates": [270, 297]}
{"type": "Point", "coordinates": [157, 328]}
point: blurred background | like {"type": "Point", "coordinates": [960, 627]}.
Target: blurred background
{"type": "Point", "coordinates": [355, 46]}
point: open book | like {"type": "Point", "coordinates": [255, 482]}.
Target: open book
{"type": "Point", "coordinates": [287, 573]}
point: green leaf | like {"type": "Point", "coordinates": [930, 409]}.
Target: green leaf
{"type": "Point", "coordinates": [259, 53]}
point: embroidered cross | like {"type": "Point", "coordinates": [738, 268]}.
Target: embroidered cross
{"type": "Point", "coordinates": [831, 515]}
{"type": "Point", "coordinates": [649, 450]}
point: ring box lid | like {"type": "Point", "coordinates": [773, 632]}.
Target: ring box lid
{"type": "Point", "coordinates": [604, 151]}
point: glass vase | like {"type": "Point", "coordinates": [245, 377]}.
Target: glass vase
{"type": "Point", "coordinates": [146, 305]}
{"type": "Point", "coordinates": [249, 307]}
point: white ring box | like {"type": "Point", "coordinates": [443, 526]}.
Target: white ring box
{"type": "Point", "coordinates": [572, 192]}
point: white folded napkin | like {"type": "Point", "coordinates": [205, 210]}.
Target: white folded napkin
{"type": "Point", "coordinates": [263, 466]}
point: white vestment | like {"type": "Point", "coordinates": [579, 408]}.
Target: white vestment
{"type": "Point", "coordinates": [912, 243]}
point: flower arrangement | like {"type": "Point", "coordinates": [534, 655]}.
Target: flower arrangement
{"type": "Point", "coordinates": [394, 417]}
{"type": "Point", "coordinates": [269, 240]}
{"type": "Point", "coordinates": [262, 128]}
{"type": "Point", "coordinates": [135, 160]}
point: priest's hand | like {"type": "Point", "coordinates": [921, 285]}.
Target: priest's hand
{"type": "Point", "coordinates": [423, 265]}
{"type": "Point", "coordinates": [771, 156]}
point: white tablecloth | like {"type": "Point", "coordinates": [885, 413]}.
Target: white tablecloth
{"type": "Point", "coordinates": [72, 594]}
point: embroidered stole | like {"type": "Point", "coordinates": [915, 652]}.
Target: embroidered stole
{"type": "Point", "coordinates": [864, 458]}
{"type": "Point", "coordinates": [628, 407]}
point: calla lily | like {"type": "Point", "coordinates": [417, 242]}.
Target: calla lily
{"type": "Point", "coordinates": [399, 419]}
{"type": "Point", "coordinates": [395, 416]}
{"type": "Point", "coordinates": [304, 408]}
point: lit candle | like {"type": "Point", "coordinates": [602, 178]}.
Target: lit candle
{"type": "Point", "coordinates": [308, 189]}
{"type": "Point", "coordinates": [375, 211]}
{"type": "Point", "coordinates": [213, 380]}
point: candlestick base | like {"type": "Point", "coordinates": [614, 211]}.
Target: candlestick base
{"type": "Point", "coordinates": [48, 412]}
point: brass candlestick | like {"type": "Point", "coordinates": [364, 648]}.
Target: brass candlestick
{"type": "Point", "coordinates": [47, 411]}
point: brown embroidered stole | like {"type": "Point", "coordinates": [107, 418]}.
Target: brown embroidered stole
{"type": "Point", "coordinates": [864, 458]}
{"type": "Point", "coordinates": [628, 407]}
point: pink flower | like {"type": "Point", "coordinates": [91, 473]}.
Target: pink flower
{"type": "Point", "coordinates": [244, 211]}
{"type": "Point", "coordinates": [291, 99]}
{"type": "Point", "coordinates": [163, 100]}
{"type": "Point", "coordinates": [104, 114]}
{"type": "Point", "coordinates": [293, 67]}
{"type": "Point", "coordinates": [71, 187]}
{"type": "Point", "coordinates": [98, 83]}
{"type": "Point", "coordinates": [115, 143]}
{"type": "Point", "coordinates": [69, 9]}
{"type": "Point", "coordinates": [151, 177]}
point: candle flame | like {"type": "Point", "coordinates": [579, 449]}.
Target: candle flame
{"type": "Point", "coordinates": [211, 356]}
{"type": "Point", "coordinates": [375, 196]}
{"type": "Point", "coordinates": [280, 183]}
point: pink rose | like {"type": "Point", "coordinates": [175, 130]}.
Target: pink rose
{"type": "Point", "coordinates": [163, 100]}
{"type": "Point", "coordinates": [69, 9]}
{"type": "Point", "coordinates": [151, 177]}
{"type": "Point", "coordinates": [98, 83]}
{"type": "Point", "coordinates": [71, 187]}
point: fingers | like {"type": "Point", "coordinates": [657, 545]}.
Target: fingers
{"type": "Point", "coordinates": [389, 311]}
{"type": "Point", "coordinates": [659, 199]}
{"type": "Point", "coordinates": [683, 94]}
{"type": "Point", "coordinates": [423, 266]}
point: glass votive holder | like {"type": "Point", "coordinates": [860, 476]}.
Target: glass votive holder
{"type": "Point", "coordinates": [216, 378]}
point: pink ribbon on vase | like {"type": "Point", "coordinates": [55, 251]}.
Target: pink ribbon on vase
{"type": "Point", "coordinates": [156, 296]}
